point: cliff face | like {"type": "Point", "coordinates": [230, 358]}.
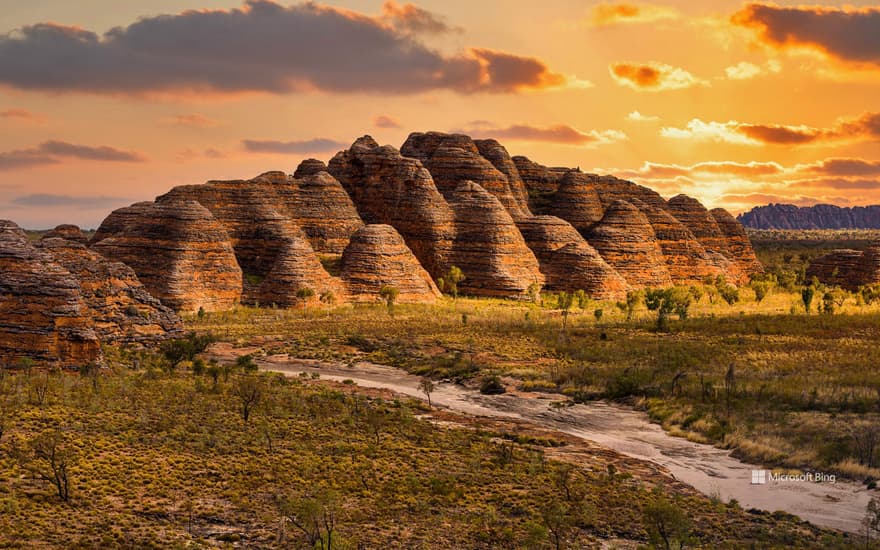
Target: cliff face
{"type": "Point", "coordinates": [44, 316]}
{"type": "Point", "coordinates": [820, 216]}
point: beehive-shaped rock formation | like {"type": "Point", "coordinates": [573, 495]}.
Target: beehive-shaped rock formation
{"type": "Point", "coordinates": [626, 240]}
{"type": "Point", "coordinates": [489, 248]}
{"type": "Point", "coordinates": [120, 307]}
{"type": "Point", "coordinates": [377, 257]}
{"type": "Point", "coordinates": [309, 167]}
{"type": "Point", "coordinates": [455, 158]}
{"type": "Point", "coordinates": [391, 189]}
{"type": "Point", "coordinates": [181, 254]}
{"type": "Point", "coordinates": [68, 232]}
{"type": "Point", "coordinates": [702, 224]}
{"type": "Point", "coordinates": [576, 201]}
{"type": "Point", "coordinates": [849, 269]}
{"type": "Point", "coordinates": [737, 240]}
{"type": "Point", "coordinates": [44, 318]}
{"type": "Point", "coordinates": [567, 261]}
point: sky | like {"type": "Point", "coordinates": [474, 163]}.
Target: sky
{"type": "Point", "coordinates": [105, 102]}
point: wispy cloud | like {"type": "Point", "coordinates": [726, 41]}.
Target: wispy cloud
{"type": "Point", "coordinates": [192, 120]}
{"type": "Point", "coordinates": [639, 117]}
{"type": "Point", "coordinates": [561, 134]}
{"type": "Point", "coordinates": [606, 14]}
{"type": "Point", "coordinates": [53, 152]}
{"type": "Point", "coordinates": [653, 76]}
{"type": "Point", "coordinates": [316, 145]}
{"type": "Point", "coordinates": [385, 121]}
{"type": "Point", "coordinates": [52, 200]}
{"type": "Point", "coordinates": [22, 115]}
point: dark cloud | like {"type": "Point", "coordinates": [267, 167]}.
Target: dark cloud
{"type": "Point", "coordinates": [845, 167]}
{"type": "Point", "coordinates": [413, 19]}
{"type": "Point", "coordinates": [25, 158]}
{"type": "Point", "coordinates": [784, 135]}
{"type": "Point", "coordinates": [847, 34]}
{"type": "Point", "coordinates": [614, 13]}
{"type": "Point", "coordinates": [263, 47]}
{"type": "Point", "coordinates": [51, 152]}
{"type": "Point", "coordinates": [51, 200]}
{"type": "Point", "coordinates": [317, 145]}
{"type": "Point", "coordinates": [553, 134]}
{"type": "Point", "coordinates": [385, 121]}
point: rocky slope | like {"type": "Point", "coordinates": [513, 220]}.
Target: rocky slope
{"type": "Point", "coordinates": [820, 216]}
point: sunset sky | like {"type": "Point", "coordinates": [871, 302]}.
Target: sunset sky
{"type": "Point", "coordinates": [104, 103]}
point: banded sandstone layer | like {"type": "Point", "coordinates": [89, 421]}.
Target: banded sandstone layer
{"type": "Point", "coordinates": [848, 269]}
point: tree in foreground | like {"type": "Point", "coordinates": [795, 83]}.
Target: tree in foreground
{"type": "Point", "coordinates": [313, 516]}
{"type": "Point", "coordinates": [668, 525]}
{"type": "Point", "coordinates": [427, 387]}
{"type": "Point", "coordinates": [389, 295]}
{"type": "Point", "coordinates": [248, 390]}
{"type": "Point", "coordinates": [666, 301]}
{"type": "Point", "coordinates": [449, 282]}
{"type": "Point", "coordinates": [49, 458]}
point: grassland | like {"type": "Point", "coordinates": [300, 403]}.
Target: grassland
{"type": "Point", "coordinates": [162, 459]}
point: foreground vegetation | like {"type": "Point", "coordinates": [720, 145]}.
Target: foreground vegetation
{"type": "Point", "coordinates": [158, 457]}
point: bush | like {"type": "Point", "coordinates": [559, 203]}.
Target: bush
{"type": "Point", "coordinates": [492, 385]}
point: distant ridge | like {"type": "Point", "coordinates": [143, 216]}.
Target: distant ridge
{"type": "Point", "coordinates": [820, 216]}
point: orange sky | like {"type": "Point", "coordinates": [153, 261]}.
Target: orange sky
{"type": "Point", "coordinates": [736, 104]}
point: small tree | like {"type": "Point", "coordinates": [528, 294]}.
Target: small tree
{"type": "Point", "coordinates": [185, 349]}
{"type": "Point", "coordinates": [248, 390]}
{"type": "Point", "coordinates": [668, 525]}
{"type": "Point", "coordinates": [304, 294]}
{"type": "Point", "coordinates": [807, 297]}
{"type": "Point", "coordinates": [564, 301]}
{"type": "Point", "coordinates": [598, 314]}
{"type": "Point", "coordinates": [534, 292]}
{"type": "Point", "coordinates": [49, 460]}
{"type": "Point", "coordinates": [871, 521]}
{"type": "Point", "coordinates": [389, 295]}
{"type": "Point", "coordinates": [583, 299]}
{"type": "Point", "coordinates": [449, 282]}
{"type": "Point", "coordinates": [761, 288]}
{"type": "Point", "coordinates": [328, 298]}
{"type": "Point", "coordinates": [427, 387]}
{"type": "Point", "coordinates": [667, 301]}
{"type": "Point", "coordinates": [314, 517]}
{"type": "Point", "coordinates": [729, 293]}
{"type": "Point", "coordinates": [633, 298]}
{"type": "Point", "coordinates": [246, 363]}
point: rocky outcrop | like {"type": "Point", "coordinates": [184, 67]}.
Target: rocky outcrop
{"type": "Point", "coordinates": [611, 189]}
{"type": "Point", "coordinates": [702, 224]}
{"type": "Point", "coordinates": [377, 257]}
{"type": "Point", "coordinates": [325, 213]}
{"type": "Point", "coordinates": [309, 167]}
{"type": "Point", "coordinates": [686, 259]}
{"type": "Point", "coordinates": [567, 261]}
{"type": "Point", "coordinates": [738, 243]}
{"type": "Point", "coordinates": [68, 232]}
{"type": "Point", "coordinates": [541, 182]}
{"type": "Point", "coordinates": [119, 306]}
{"type": "Point", "coordinates": [297, 277]}
{"type": "Point", "coordinates": [455, 158]}
{"type": "Point", "coordinates": [576, 201]}
{"type": "Point", "coordinates": [820, 216]}
{"type": "Point", "coordinates": [489, 248]}
{"type": "Point", "coordinates": [181, 254]}
{"type": "Point", "coordinates": [849, 269]}
{"type": "Point", "coordinates": [42, 315]}
{"type": "Point", "coordinates": [391, 189]}
{"type": "Point", "coordinates": [626, 240]}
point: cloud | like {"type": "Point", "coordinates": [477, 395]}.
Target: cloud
{"type": "Point", "coordinates": [51, 152]}
{"type": "Point", "coordinates": [863, 127]}
{"type": "Point", "coordinates": [652, 171]}
{"type": "Point", "coordinates": [385, 121]}
{"type": "Point", "coordinates": [22, 115]}
{"type": "Point", "coordinates": [639, 117]}
{"type": "Point", "coordinates": [260, 47]}
{"type": "Point", "coordinates": [617, 13]}
{"type": "Point", "coordinates": [653, 77]}
{"type": "Point", "coordinates": [413, 19]}
{"type": "Point", "coordinates": [846, 34]}
{"type": "Point", "coordinates": [193, 120]}
{"type": "Point", "coordinates": [210, 153]}
{"type": "Point", "coordinates": [561, 134]}
{"type": "Point", "coordinates": [736, 201]}
{"type": "Point", "coordinates": [742, 71]}
{"type": "Point", "coordinates": [838, 183]}
{"type": "Point", "coordinates": [317, 145]}
{"type": "Point", "coordinates": [844, 167]}
{"type": "Point", "coordinates": [51, 200]}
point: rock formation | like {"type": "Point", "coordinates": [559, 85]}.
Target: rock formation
{"type": "Point", "coordinates": [325, 213]}
{"type": "Point", "coordinates": [626, 240]}
{"type": "Point", "coordinates": [576, 201]}
{"type": "Point", "coordinates": [820, 216]}
{"type": "Point", "coordinates": [738, 243]}
{"type": "Point", "coordinates": [540, 181]}
{"type": "Point", "coordinates": [43, 315]}
{"type": "Point", "coordinates": [567, 261]}
{"type": "Point", "coordinates": [391, 189]}
{"type": "Point", "coordinates": [377, 256]}
{"type": "Point", "coordinates": [181, 254]}
{"type": "Point", "coordinates": [309, 167]}
{"type": "Point", "coordinates": [68, 232]}
{"type": "Point", "coordinates": [702, 224]}
{"type": "Point", "coordinates": [849, 269]}
{"type": "Point", "coordinates": [489, 249]}
{"type": "Point", "coordinates": [455, 158]}
{"type": "Point", "coordinates": [118, 304]}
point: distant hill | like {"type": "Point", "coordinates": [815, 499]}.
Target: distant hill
{"type": "Point", "coordinates": [821, 216]}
